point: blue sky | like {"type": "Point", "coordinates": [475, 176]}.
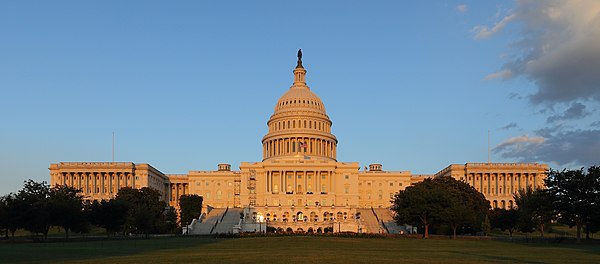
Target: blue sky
{"type": "Point", "coordinates": [186, 85]}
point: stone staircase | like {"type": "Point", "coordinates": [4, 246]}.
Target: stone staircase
{"type": "Point", "coordinates": [208, 223]}
{"type": "Point", "coordinates": [369, 221]}
{"type": "Point", "coordinates": [387, 219]}
{"type": "Point", "coordinates": [228, 221]}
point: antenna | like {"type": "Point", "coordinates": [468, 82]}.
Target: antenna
{"type": "Point", "coordinates": [113, 147]}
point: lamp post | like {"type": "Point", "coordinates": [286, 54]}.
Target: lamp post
{"type": "Point", "coordinates": [261, 220]}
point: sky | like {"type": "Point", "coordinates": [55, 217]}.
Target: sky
{"type": "Point", "coordinates": [185, 85]}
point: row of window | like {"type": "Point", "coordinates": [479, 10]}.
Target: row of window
{"type": "Point", "coordinates": [311, 124]}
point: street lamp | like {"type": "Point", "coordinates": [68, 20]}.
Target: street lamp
{"type": "Point", "coordinates": [261, 220]}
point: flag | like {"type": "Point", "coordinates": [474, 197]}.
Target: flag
{"type": "Point", "coordinates": [303, 145]}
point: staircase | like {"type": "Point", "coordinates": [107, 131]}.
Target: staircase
{"type": "Point", "coordinates": [208, 224]}
{"type": "Point", "coordinates": [369, 221]}
{"type": "Point", "coordinates": [228, 221]}
{"type": "Point", "coordinates": [386, 218]}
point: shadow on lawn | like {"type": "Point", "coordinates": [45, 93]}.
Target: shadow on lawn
{"type": "Point", "coordinates": [78, 250]}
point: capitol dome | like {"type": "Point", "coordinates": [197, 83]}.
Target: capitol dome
{"type": "Point", "coordinates": [299, 126]}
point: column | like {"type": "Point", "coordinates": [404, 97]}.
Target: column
{"type": "Point", "coordinates": [87, 182]}
{"type": "Point", "coordinates": [295, 188]}
{"type": "Point", "coordinates": [102, 182]}
{"type": "Point", "coordinates": [95, 184]}
{"type": "Point", "coordinates": [118, 179]}
{"type": "Point", "coordinates": [305, 181]}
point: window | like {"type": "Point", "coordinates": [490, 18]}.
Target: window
{"type": "Point", "coordinates": [391, 184]}
{"type": "Point", "coordinates": [346, 177]}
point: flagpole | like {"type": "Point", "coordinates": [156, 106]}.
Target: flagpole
{"type": "Point", "coordinates": [488, 146]}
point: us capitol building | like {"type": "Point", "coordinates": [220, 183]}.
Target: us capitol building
{"type": "Point", "coordinates": [299, 184]}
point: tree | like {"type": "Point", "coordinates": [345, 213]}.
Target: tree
{"type": "Point", "coordinates": [486, 226]}
{"type": "Point", "coordinates": [14, 213]}
{"type": "Point", "coordinates": [190, 207]}
{"type": "Point", "coordinates": [464, 204]}
{"type": "Point", "coordinates": [575, 196]}
{"type": "Point", "coordinates": [4, 216]}
{"type": "Point", "coordinates": [170, 220]}
{"type": "Point", "coordinates": [421, 203]}
{"type": "Point", "coordinates": [535, 209]}
{"type": "Point", "coordinates": [505, 220]}
{"type": "Point", "coordinates": [110, 215]}
{"type": "Point", "coordinates": [66, 205]}
{"type": "Point", "coordinates": [36, 215]}
{"type": "Point", "coordinates": [144, 209]}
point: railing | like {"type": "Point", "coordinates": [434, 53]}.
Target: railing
{"type": "Point", "coordinates": [96, 163]}
{"type": "Point", "coordinates": [384, 226]}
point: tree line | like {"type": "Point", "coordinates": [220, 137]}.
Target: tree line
{"type": "Point", "coordinates": [37, 207]}
{"type": "Point", "coordinates": [571, 197]}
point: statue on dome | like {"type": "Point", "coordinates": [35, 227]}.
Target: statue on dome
{"type": "Point", "coordinates": [299, 58]}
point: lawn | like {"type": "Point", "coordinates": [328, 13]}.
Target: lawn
{"type": "Point", "coordinates": [297, 249]}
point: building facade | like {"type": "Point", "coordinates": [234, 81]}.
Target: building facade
{"type": "Point", "coordinates": [299, 183]}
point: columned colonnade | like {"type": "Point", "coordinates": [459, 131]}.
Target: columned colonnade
{"type": "Point", "coordinates": [497, 185]}
{"type": "Point", "coordinates": [293, 145]}
{"type": "Point", "coordinates": [299, 182]}
{"type": "Point", "coordinates": [179, 189]}
{"type": "Point", "coordinates": [97, 182]}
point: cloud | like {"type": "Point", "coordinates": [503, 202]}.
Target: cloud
{"type": "Point", "coordinates": [503, 74]}
{"type": "Point", "coordinates": [519, 142]}
{"type": "Point", "coordinates": [558, 49]}
{"type": "Point", "coordinates": [595, 124]}
{"type": "Point", "coordinates": [576, 111]}
{"type": "Point", "coordinates": [462, 8]}
{"type": "Point", "coordinates": [509, 126]}
{"type": "Point", "coordinates": [577, 148]}
{"type": "Point", "coordinates": [483, 32]}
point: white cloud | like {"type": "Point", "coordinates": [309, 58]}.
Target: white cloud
{"type": "Point", "coordinates": [520, 140]}
{"type": "Point", "coordinates": [503, 74]}
{"type": "Point", "coordinates": [563, 148]}
{"type": "Point", "coordinates": [483, 32]}
{"type": "Point", "coordinates": [558, 49]}
{"type": "Point", "coordinates": [462, 8]}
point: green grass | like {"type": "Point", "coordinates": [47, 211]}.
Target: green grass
{"type": "Point", "coordinates": [297, 249]}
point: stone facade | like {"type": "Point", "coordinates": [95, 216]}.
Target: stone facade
{"type": "Point", "coordinates": [299, 181]}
